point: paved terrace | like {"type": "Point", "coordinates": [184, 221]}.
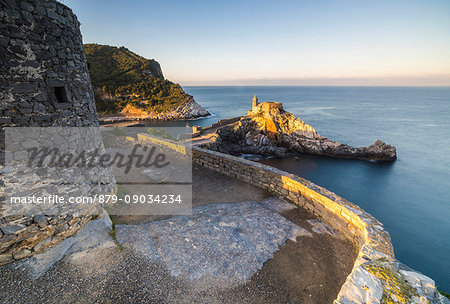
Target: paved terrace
{"type": "Point", "coordinates": [240, 246]}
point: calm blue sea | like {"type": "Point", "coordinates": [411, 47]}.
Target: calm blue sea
{"type": "Point", "coordinates": [411, 196]}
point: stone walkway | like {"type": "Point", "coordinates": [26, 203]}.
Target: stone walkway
{"type": "Point", "coordinates": [240, 252]}
{"type": "Point", "coordinates": [219, 245]}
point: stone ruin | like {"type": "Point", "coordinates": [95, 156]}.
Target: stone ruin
{"type": "Point", "coordinates": [254, 102]}
{"type": "Point", "coordinates": [44, 82]}
{"type": "Point", "coordinates": [43, 72]}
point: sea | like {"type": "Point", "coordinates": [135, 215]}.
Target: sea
{"type": "Point", "coordinates": [410, 196]}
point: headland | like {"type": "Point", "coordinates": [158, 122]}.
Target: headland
{"type": "Point", "coordinates": [269, 130]}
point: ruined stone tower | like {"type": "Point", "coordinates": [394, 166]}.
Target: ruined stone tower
{"type": "Point", "coordinates": [254, 102]}
{"type": "Point", "coordinates": [44, 76]}
{"type": "Point", "coordinates": [44, 82]}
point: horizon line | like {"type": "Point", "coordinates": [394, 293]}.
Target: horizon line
{"type": "Point", "coordinates": [314, 85]}
{"type": "Point", "coordinates": [430, 80]}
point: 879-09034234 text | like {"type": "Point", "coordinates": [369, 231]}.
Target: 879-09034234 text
{"type": "Point", "coordinates": [102, 199]}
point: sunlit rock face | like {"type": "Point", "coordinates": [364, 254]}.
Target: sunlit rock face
{"type": "Point", "coordinates": [270, 130]}
{"type": "Point", "coordinates": [187, 110]}
{"type": "Point", "coordinates": [272, 118]}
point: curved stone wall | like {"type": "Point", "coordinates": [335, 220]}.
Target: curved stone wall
{"type": "Point", "coordinates": [44, 82]}
{"type": "Point", "coordinates": [43, 69]}
{"type": "Point", "coordinates": [376, 276]}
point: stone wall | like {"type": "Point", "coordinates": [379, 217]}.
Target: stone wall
{"type": "Point", "coordinates": [376, 276]}
{"type": "Point", "coordinates": [222, 122]}
{"type": "Point", "coordinates": [43, 70]}
{"type": "Point", "coordinates": [163, 143]}
{"type": "Point", "coordinates": [340, 213]}
{"type": "Point", "coordinates": [44, 82]}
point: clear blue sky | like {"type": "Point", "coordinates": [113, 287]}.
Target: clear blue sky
{"type": "Point", "coordinates": [279, 42]}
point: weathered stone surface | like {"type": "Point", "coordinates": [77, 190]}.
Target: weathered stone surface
{"type": "Point", "coordinates": [29, 62]}
{"type": "Point", "coordinates": [25, 88]}
{"type": "Point", "coordinates": [31, 241]}
{"type": "Point", "coordinates": [382, 280]}
{"type": "Point", "coordinates": [10, 229]}
{"type": "Point", "coordinates": [361, 287]}
{"type": "Point", "coordinates": [6, 241]}
{"type": "Point", "coordinates": [40, 218]}
{"type": "Point", "coordinates": [248, 233]}
{"type": "Point", "coordinates": [29, 231]}
{"type": "Point", "coordinates": [61, 229]}
{"type": "Point", "coordinates": [6, 258]}
{"type": "Point", "coordinates": [32, 34]}
{"type": "Point", "coordinates": [425, 286]}
{"type": "Point", "coordinates": [23, 253]}
{"type": "Point", "coordinates": [94, 235]}
{"type": "Point", "coordinates": [45, 243]}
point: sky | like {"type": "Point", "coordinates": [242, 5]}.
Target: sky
{"type": "Point", "coordinates": [246, 42]}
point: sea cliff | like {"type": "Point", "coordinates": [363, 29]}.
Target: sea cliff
{"type": "Point", "coordinates": [130, 87]}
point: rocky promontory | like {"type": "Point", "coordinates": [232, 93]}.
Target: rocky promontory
{"type": "Point", "coordinates": [130, 87]}
{"type": "Point", "coordinates": [190, 109]}
{"type": "Point", "coordinates": [270, 130]}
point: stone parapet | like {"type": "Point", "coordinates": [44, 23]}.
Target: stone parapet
{"type": "Point", "coordinates": [376, 276]}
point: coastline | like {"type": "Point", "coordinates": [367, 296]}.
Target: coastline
{"type": "Point", "coordinates": [119, 118]}
{"type": "Point", "coordinates": [189, 110]}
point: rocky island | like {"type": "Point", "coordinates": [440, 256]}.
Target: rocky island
{"type": "Point", "coordinates": [130, 87]}
{"type": "Point", "coordinates": [270, 130]}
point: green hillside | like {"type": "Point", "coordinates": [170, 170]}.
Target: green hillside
{"type": "Point", "coordinates": [121, 77]}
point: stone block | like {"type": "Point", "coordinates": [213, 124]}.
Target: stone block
{"type": "Point", "coordinates": [39, 107]}
{"type": "Point", "coordinates": [5, 120]}
{"type": "Point", "coordinates": [6, 258]}
{"type": "Point", "coordinates": [52, 14]}
{"type": "Point", "coordinates": [55, 82]}
{"type": "Point", "coordinates": [10, 229]}
{"type": "Point", "coordinates": [61, 229]}
{"type": "Point", "coordinates": [43, 55]}
{"type": "Point", "coordinates": [41, 117]}
{"type": "Point", "coordinates": [31, 63]}
{"type": "Point", "coordinates": [26, 6]}
{"type": "Point", "coordinates": [6, 241]}
{"type": "Point", "coordinates": [29, 231]}
{"type": "Point", "coordinates": [24, 88]}
{"type": "Point", "coordinates": [40, 218]}
{"type": "Point", "coordinates": [4, 41]}
{"type": "Point", "coordinates": [22, 253]}
{"type": "Point", "coordinates": [62, 55]}
{"type": "Point", "coordinates": [25, 111]}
